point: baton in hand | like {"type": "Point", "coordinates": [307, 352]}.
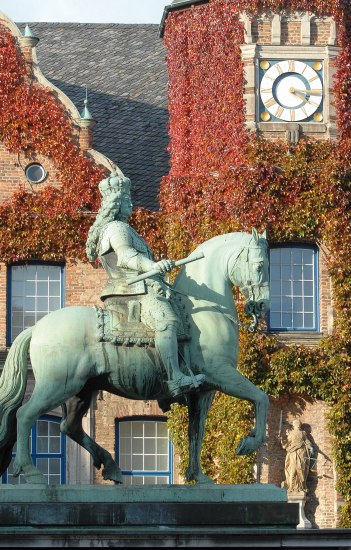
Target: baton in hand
{"type": "Point", "coordinates": [154, 272]}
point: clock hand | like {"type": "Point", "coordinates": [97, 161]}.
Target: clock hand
{"type": "Point", "coordinates": [302, 95]}
{"type": "Point", "coordinates": [307, 92]}
{"type": "Point", "coordinates": [311, 92]}
{"type": "Point", "coordinates": [298, 93]}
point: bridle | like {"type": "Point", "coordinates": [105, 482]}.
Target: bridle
{"type": "Point", "coordinates": [249, 287]}
{"type": "Point", "coordinates": [248, 290]}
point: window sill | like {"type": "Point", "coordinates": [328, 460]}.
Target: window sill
{"type": "Point", "coordinates": [305, 338]}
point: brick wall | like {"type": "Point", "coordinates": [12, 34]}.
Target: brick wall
{"type": "Point", "coordinates": [12, 176]}
{"type": "Point", "coordinates": [290, 33]}
{"type": "Point", "coordinates": [83, 284]}
{"type": "Point", "coordinates": [3, 289]}
{"type": "Point", "coordinates": [111, 408]}
{"type": "Point", "coordinates": [325, 294]}
{"type": "Point", "coordinates": [262, 31]}
{"type": "Point", "coordinates": [320, 31]}
{"type": "Point", "coordinates": [321, 496]}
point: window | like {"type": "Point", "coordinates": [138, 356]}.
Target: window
{"type": "Point", "coordinates": [144, 451]}
{"type": "Point", "coordinates": [48, 450]}
{"type": "Point", "coordinates": [293, 288]}
{"type": "Point", "coordinates": [35, 172]}
{"type": "Point", "coordinates": [34, 291]}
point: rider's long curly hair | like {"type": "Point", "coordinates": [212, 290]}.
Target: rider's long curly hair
{"type": "Point", "coordinates": [108, 212]}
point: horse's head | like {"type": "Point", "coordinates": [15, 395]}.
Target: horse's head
{"type": "Point", "coordinates": [249, 271]}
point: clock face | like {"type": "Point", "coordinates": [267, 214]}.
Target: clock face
{"type": "Point", "coordinates": [291, 91]}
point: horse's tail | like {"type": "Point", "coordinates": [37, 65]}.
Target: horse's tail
{"type": "Point", "coordinates": [12, 388]}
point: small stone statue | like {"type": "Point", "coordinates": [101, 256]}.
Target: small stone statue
{"type": "Point", "coordinates": [298, 457]}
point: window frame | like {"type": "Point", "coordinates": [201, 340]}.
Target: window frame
{"type": "Point", "coordinates": [62, 266]}
{"type": "Point", "coordinates": [35, 455]}
{"type": "Point", "coordinates": [145, 473]}
{"type": "Point", "coordinates": [315, 250]}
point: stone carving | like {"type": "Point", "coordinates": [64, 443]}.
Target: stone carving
{"type": "Point", "coordinates": [298, 456]}
{"type": "Point", "coordinates": [71, 360]}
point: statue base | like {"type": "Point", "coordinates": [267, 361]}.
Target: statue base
{"type": "Point", "coordinates": [300, 499]}
{"type": "Point", "coordinates": [152, 506]}
{"type": "Point", "coordinates": [105, 516]}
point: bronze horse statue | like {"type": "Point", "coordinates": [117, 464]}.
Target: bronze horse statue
{"type": "Point", "coordinates": [70, 362]}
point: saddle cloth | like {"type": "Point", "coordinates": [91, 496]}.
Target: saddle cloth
{"type": "Point", "coordinates": [120, 323]}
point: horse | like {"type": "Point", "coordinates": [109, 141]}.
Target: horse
{"type": "Point", "coordinates": [70, 363]}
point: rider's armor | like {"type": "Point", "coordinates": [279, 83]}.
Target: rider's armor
{"type": "Point", "coordinates": [128, 258]}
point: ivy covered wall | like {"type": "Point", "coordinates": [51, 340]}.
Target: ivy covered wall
{"type": "Point", "coordinates": [223, 179]}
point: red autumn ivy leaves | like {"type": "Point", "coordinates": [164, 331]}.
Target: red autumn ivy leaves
{"type": "Point", "coordinates": [48, 224]}
{"type": "Point", "coordinates": [224, 179]}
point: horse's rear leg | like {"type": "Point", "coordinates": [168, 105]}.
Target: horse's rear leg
{"type": "Point", "coordinates": [198, 407]}
{"type": "Point", "coordinates": [77, 406]}
{"type": "Point", "coordinates": [45, 397]}
{"type": "Point", "coordinates": [26, 417]}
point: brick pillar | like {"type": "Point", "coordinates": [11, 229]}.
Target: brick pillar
{"type": "Point", "coordinates": [3, 305]}
{"type": "Point", "coordinates": [27, 44]}
{"type": "Point", "coordinates": [86, 133]}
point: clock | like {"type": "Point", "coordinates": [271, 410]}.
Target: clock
{"type": "Point", "coordinates": [291, 90]}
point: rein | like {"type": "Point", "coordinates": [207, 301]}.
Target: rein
{"type": "Point", "coordinates": [249, 287]}
{"type": "Point", "coordinates": [250, 328]}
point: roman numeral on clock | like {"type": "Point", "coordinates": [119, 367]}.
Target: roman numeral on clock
{"type": "Point", "coordinates": [270, 102]}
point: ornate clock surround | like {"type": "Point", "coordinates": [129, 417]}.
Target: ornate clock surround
{"type": "Point", "coordinates": [322, 126]}
{"type": "Point", "coordinates": [291, 90]}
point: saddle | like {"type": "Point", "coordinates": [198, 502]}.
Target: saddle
{"type": "Point", "coordinates": [120, 323]}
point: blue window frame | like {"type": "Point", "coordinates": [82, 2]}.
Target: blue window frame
{"type": "Point", "coordinates": [34, 290]}
{"type": "Point", "coordinates": [48, 450]}
{"type": "Point", "coordinates": [144, 451]}
{"type": "Point", "coordinates": [294, 288]}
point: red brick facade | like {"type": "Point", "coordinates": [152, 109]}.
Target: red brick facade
{"type": "Point", "coordinates": [83, 284]}
{"type": "Point", "coordinates": [321, 501]}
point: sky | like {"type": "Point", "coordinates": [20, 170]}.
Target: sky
{"type": "Point", "coordinates": [84, 11]}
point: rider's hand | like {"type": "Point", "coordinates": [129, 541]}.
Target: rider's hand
{"type": "Point", "coordinates": [164, 266]}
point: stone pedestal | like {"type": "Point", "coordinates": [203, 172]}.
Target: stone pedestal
{"type": "Point", "coordinates": [300, 499]}
{"type": "Point", "coordinates": [241, 516]}
{"type": "Point", "coordinates": [214, 506]}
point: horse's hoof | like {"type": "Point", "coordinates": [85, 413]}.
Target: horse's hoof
{"type": "Point", "coordinates": [200, 479]}
{"type": "Point", "coordinates": [33, 476]}
{"type": "Point", "coordinates": [16, 469]}
{"type": "Point", "coordinates": [97, 464]}
{"type": "Point", "coordinates": [112, 473]}
{"type": "Point", "coordinates": [247, 446]}
{"type": "Point", "coordinates": [204, 480]}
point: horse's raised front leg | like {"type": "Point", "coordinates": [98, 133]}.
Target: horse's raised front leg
{"type": "Point", "coordinates": [230, 381]}
{"type": "Point", "coordinates": [198, 407]}
{"type": "Point", "coordinates": [71, 425]}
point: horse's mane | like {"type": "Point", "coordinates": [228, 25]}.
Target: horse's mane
{"type": "Point", "coordinates": [215, 241]}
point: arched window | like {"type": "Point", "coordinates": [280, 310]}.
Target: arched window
{"type": "Point", "coordinates": [294, 288]}
{"type": "Point", "coordinates": [144, 451]}
{"type": "Point", "coordinates": [48, 450]}
{"type": "Point", "coordinates": [34, 290]}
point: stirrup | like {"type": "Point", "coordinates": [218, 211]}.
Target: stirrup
{"type": "Point", "coordinates": [184, 384]}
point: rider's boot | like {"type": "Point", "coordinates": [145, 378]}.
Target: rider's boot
{"type": "Point", "coordinates": [167, 346]}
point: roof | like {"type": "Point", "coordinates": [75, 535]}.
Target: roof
{"type": "Point", "coordinates": [125, 71]}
